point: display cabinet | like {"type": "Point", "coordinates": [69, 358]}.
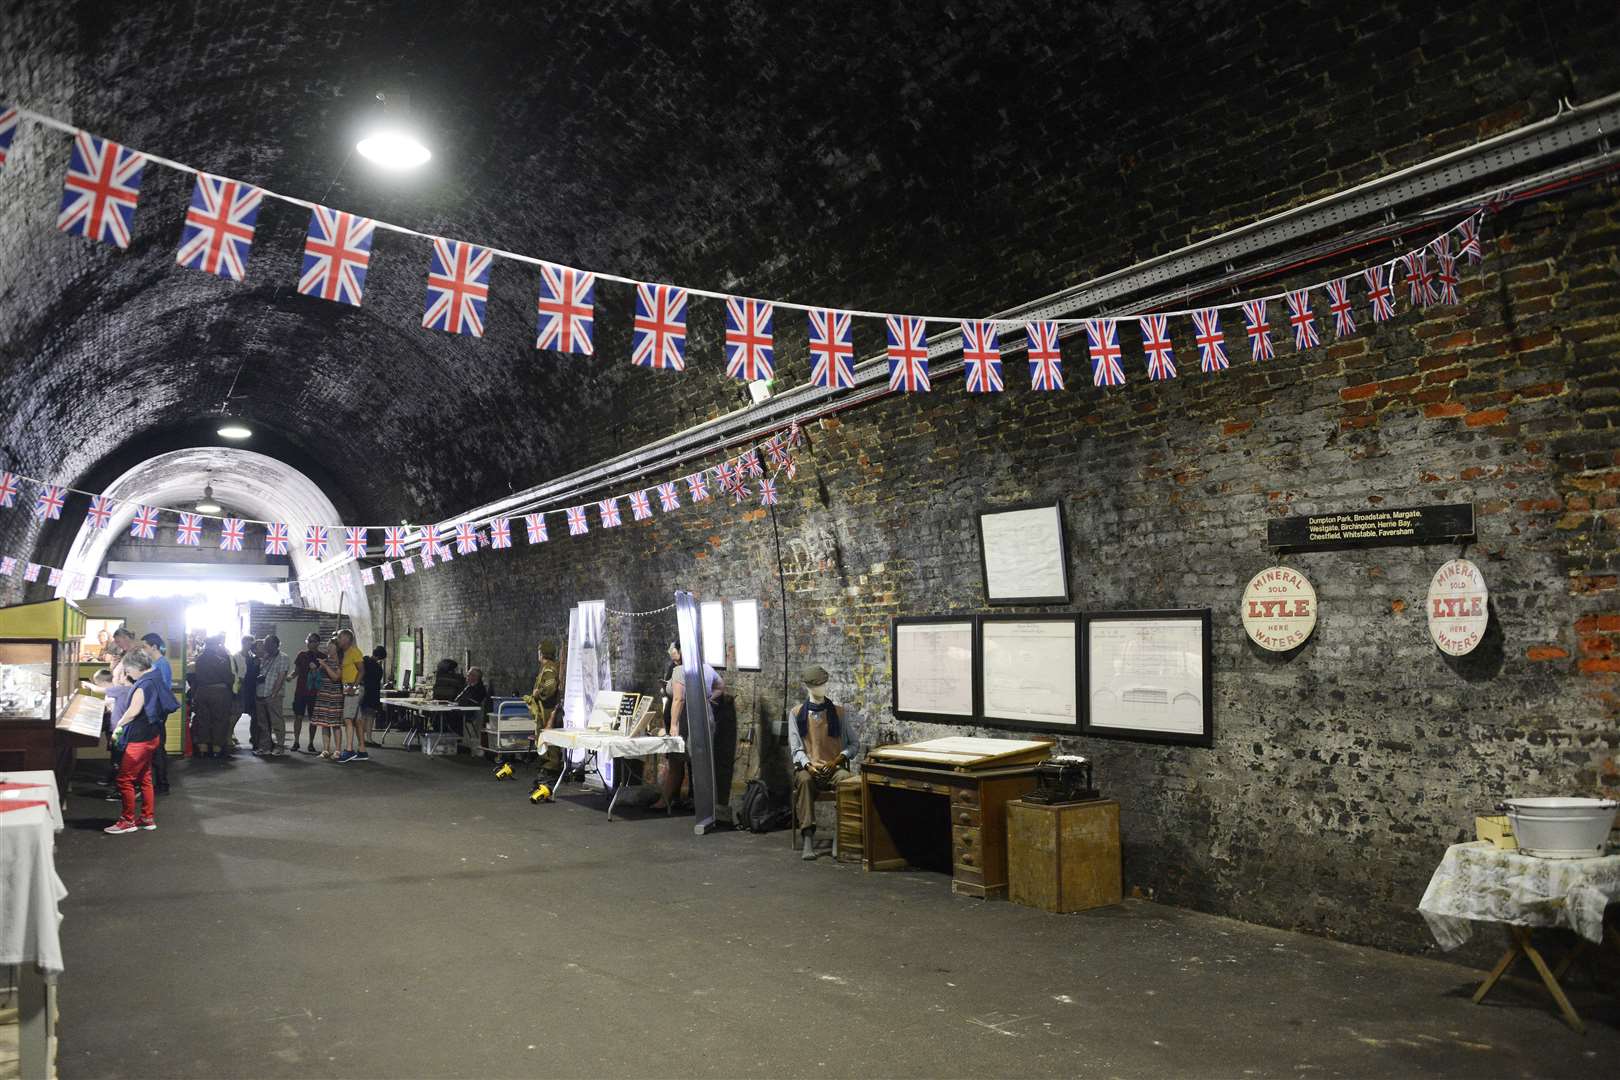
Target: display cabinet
{"type": "Point", "coordinates": [39, 658]}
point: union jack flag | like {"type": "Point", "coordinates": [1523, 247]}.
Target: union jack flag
{"type": "Point", "coordinates": [1344, 316]}
{"type": "Point", "coordinates": [276, 540]}
{"type": "Point", "coordinates": [466, 538]}
{"type": "Point", "coordinates": [576, 521]}
{"type": "Point", "coordinates": [366, 577]}
{"type": "Point", "coordinates": [431, 537]}
{"type": "Point", "coordinates": [427, 555]}
{"type": "Point", "coordinates": [189, 532]}
{"type": "Point", "coordinates": [8, 131]}
{"type": "Point", "coordinates": [388, 571]}
{"type": "Point", "coordinates": [8, 565]}
{"type": "Point", "coordinates": [1380, 294]}
{"type": "Point", "coordinates": [317, 539]}
{"type": "Point", "coordinates": [908, 354]}
{"type": "Point", "coordinates": [1209, 339]}
{"type": "Point", "coordinates": [567, 310]}
{"type": "Point", "coordinates": [231, 533]}
{"type": "Point", "coordinates": [981, 355]}
{"type": "Point", "coordinates": [48, 504]}
{"type": "Point", "coordinates": [500, 533]}
{"type": "Point", "coordinates": [1156, 344]}
{"type": "Point", "coordinates": [103, 184]}
{"type": "Point", "coordinates": [1470, 250]}
{"type": "Point", "coordinates": [337, 252]}
{"type": "Point", "coordinates": [1447, 277]}
{"type": "Point", "coordinates": [408, 565]}
{"type": "Point", "coordinates": [1259, 329]}
{"type": "Point", "coordinates": [8, 489]}
{"type": "Point", "coordinates": [31, 573]}
{"type": "Point", "coordinates": [767, 492]}
{"type": "Point", "coordinates": [608, 511]}
{"type": "Point", "coordinates": [750, 461]}
{"type": "Point", "coordinates": [55, 577]}
{"type": "Point", "coordinates": [100, 512]}
{"type": "Point", "coordinates": [698, 485]}
{"type": "Point", "coordinates": [536, 524]}
{"type": "Point", "coordinates": [444, 553]}
{"type": "Point", "coordinates": [730, 476]}
{"type": "Point", "coordinates": [832, 350]}
{"type": "Point", "coordinates": [1045, 356]}
{"type": "Point", "coordinates": [658, 338]}
{"type": "Point", "coordinates": [219, 226]}
{"type": "Point", "coordinates": [1102, 337]}
{"type": "Point", "coordinates": [394, 539]}
{"type": "Point", "coordinates": [778, 453]}
{"type": "Point", "coordinates": [354, 540]}
{"type": "Point", "coordinates": [668, 498]}
{"type": "Point", "coordinates": [640, 505]}
{"type": "Point", "coordinates": [1303, 320]}
{"type": "Point", "coordinates": [457, 287]}
{"type": "Point", "coordinates": [1419, 279]}
{"type": "Point", "coordinates": [144, 525]}
{"type": "Point", "coordinates": [749, 349]}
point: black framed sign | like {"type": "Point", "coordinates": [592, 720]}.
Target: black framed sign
{"type": "Point", "coordinates": [1146, 675]}
{"type": "Point", "coordinates": [1029, 672]}
{"type": "Point", "coordinates": [932, 664]}
{"type": "Point", "coordinates": [1024, 554]}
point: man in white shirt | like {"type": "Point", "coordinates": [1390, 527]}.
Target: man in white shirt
{"type": "Point", "coordinates": [268, 723]}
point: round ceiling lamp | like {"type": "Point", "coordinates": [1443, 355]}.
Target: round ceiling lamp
{"type": "Point", "coordinates": [207, 505]}
{"type": "Point", "coordinates": [235, 429]}
{"type": "Point", "coordinates": [391, 144]}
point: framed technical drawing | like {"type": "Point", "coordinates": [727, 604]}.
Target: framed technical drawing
{"type": "Point", "coordinates": [1146, 675]}
{"type": "Point", "coordinates": [1023, 555]}
{"type": "Point", "coordinates": [1029, 672]}
{"type": "Point", "coordinates": [932, 659]}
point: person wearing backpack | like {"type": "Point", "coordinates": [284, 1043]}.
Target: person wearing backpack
{"type": "Point", "coordinates": [136, 732]}
{"type": "Point", "coordinates": [157, 652]}
{"type": "Point", "coordinates": [822, 746]}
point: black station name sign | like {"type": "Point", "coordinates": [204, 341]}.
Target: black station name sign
{"type": "Point", "coordinates": [1364, 528]}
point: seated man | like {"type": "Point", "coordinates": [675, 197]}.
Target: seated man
{"type": "Point", "coordinates": [821, 744]}
{"type": "Point", "coordinates": [447, 681]}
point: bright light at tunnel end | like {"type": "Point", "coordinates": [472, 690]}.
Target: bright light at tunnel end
{"type": "Point", "coordinates": [393, 150]}
{"type": "Point", "coordinates": [235, 431]}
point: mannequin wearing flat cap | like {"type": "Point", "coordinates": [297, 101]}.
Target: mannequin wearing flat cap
{"type": "Point", "coordinates": [822, 746]}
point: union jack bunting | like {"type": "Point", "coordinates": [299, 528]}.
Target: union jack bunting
{"type": "Point", "coordinates": [366, 577]}
{"type": "Point", "coordinates": [55, 577]}
{"type": "Point", "coordinates": [795, 434]}
{"type": "Point", "coordinates": [1381, 296]}
{"type": "Point", "coordinates": [457, 287]}
{"type": "Point", "coordinates": [444, 552]}
{"type": "Point", "coordinates": [1045, 356]}
{"type": "Point", "coordinates": [500, 533]}
{"type": "Point", "coordinates": [431, 537]}
{"type": "Point", "coordinates": [394, 539]}
{"type": "Point", "coordinates": [658, 337]}
{"type": "Point", "coordinates": [640, 505]}
{"type": "Point", "coordinates": [1102, 336]}
{"type": "Point", "coordinates": [388, 571]}
{"type": "Point", "coordinates": [144, 525]}
{"type": "Point", "coordinates": [1419, 279]}
{"type": "Point", "coordinates": [31, 573]}
{"type": "Point", "coordinates": [668, 498]}
{"type": "Point", "coordinates": [832, 350]}
{"type": "Point", "coordinates": [100, 512]}
{"type": "Point", "coordinates": [8, 489]}
{"type": "Point", "coordinates": [698, 486]}
{"type": "Point", "coordinates": [536, 524]}
{"type": "Point", "coordinates": [189, 532]}
{"type": "Point", "coordinates": [1209, 339]}
{"type": "Point", "coordinates": [730, 476]}
{"type": "Point", "coordinates": [1447, 278]}
{"type": "Point", "coordinates": [276, 539]}
{"type": "Point", "coordinates": [1303, 320]}
{"type": "Point", "coordinates": [1470, 249]}
{"type": "Point", "coordinates": [751, 462]}
{"type": "Point", "coordinates": [354, 540]}
{"type": "Point", "coordinates": [8, 565]}
{"type": "Point", "coordinates": [219, 226]}
{"type": "Point", "coordinates": [337, 252]}
{"type": "Point", "coordinates": [608, 511]}
{"type": "Point", "coordinates": [777, 452]}
{"type": "Point", "coordinates": [567, 307]}
{"type": "Point", "coordinates": [8, 131]}
{"type": "Point", "coordinates": [749, 349]}
{"type": "Point", "coordinates": [466, 538]}
{"type": "Point", "coordinates": [1344, 316]}
{"type": "Point", "coordinates": [427, 555]}
{"type": "Point", "coordinates": [576, 521]}
{"type": "Point", "coordinates": [1259, 329]}
{"type": "Point", "coordinates": [408, 565]}
{"type": "Point", "coordinates": [908, 354]}
{"type": "Point", "coordinates": [49, 502]}
{"type": "Point", "coordinates": [981, 355]}
{"type": "Point", "coordinates": [232, 531]}
{"type": "Point", "coordinates": [103, 184]}
{"type": "Point", "coordinates": [317, 539]}
{"type": "Point", "coordinates": [767, 492]}
{"type": "Point", "coordinates": [1156, 345]}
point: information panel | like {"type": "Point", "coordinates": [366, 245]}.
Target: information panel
{"type": "Point", "coordinates": [933, 668]}
{"type": "Point", "coordinates": [1366, 528]}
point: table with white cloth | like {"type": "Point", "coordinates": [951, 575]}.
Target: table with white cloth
{"type": "Point", "coordinates": [30, 915]}
{"type": "Point", "coordinates": [614, 746]}
{"type": "Point", "coordinates": [1477, 882]}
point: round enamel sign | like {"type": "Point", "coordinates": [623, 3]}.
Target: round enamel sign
{"type": "Point", "coordinates": [1458, 607]}
{"type": "Point", "coordinates": [1279, 608]}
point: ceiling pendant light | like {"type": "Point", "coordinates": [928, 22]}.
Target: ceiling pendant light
{"type": "Point", "coordinates": [206, 504]}
{"type": "Point", "coordinates": [234, 429]}
{"type": "Point", "coordinates": [391, 143]}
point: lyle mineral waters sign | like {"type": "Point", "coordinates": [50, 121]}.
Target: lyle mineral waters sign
{"type": "Point", "coordinates": [1279, 608]}
{"type": "Point", "coordinates": [1363, 528]}
{"type": "Point", "coordinates": [1458, 607]}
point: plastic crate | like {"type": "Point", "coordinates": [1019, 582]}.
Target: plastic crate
{"type": "Point", "coordinates": [440, 745]}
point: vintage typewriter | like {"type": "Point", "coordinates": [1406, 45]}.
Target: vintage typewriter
{"type": "Point", "coordinates": [1062, 779]}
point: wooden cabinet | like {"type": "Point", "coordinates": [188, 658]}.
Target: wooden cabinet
{"type": "Point", "coordinates": [1065, 857]}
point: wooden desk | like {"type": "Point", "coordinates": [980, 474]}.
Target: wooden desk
{"type": "Point", "coordinates": [932, 817]}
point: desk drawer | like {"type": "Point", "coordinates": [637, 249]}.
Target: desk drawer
{"type": "Point", "coordinates": [966, 850]}
{"type": "Point", "coordinates": [965, 816]}
{"type": "Point", "coordinates": [965, 797]}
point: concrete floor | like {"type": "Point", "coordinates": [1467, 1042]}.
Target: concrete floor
{"type": "Point", "coordinates": [412, 917]}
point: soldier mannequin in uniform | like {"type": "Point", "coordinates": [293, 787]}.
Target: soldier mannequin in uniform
{"type": "Point", "coordinates": [822, 746]}
{"type": "Point", "coordinates": [543, 702]}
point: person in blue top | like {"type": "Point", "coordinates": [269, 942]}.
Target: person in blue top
{"type": "Point", "coordinates": [156, 651]}
{"type": "Point", "coordinates": [137, 733]}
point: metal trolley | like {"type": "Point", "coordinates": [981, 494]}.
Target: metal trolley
{"type": "Point", "coordinates": [508, 730]}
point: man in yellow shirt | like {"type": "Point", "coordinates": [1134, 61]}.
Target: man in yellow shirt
{"type": "Point", "coordinates": [350, 663]}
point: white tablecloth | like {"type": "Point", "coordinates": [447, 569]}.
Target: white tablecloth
{"type": "Point", "coordinates": [1475, 881]}
{"type": "Point", "coordinates": [30, 891]}
{"type": "Point", "coordinates": [34, 785]}
{"type": "Point", "coordinates": [611, 744]}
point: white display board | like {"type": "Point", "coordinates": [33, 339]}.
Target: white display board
{"type": "Point", "coordinates": [1022, 552]}
{"type": "Point", "coordinates": [745, 632]}
{"type": "Point", "coordinates": [1147, 676]}
{"type": "Point", "coordinates": [933, 668]}
{"type": "Point", "coordinates": [713, 616]}
{"type": "Point", "coordinates": [1029, 671]}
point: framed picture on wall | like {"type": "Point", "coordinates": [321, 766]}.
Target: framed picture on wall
{"type": "Point", "coordinates": [1146, 676]}
{"type": "Point", "coordinates": [932, 665]}
{"type": "Point", "coordinates": [1024, 554]}
{"type": "Point", "coordinates": [1029, 672]}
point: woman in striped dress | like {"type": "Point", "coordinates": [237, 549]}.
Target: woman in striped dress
{"type": "Point", "coordinates": [327, 712]}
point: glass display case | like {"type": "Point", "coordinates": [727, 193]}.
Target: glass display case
{"type": "Point", "coordinates": [34, 682]}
